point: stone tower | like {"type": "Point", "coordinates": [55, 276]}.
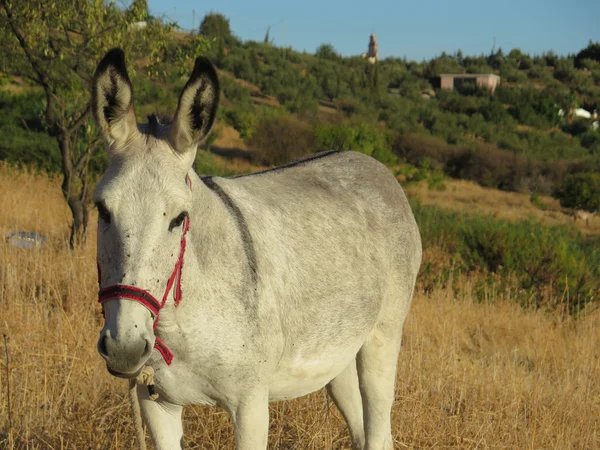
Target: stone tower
{"type": "Point", "coordinates": [373, 54]}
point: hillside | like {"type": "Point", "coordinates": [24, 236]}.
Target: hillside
{"type": "Point", "coordinates": [514, 139]}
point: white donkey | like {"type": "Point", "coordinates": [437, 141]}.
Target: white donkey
{"type": "Point", "coordinates": [288, 280]}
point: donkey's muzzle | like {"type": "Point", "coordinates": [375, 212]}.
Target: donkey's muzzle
{"type": "Point", "coordinates": [124, 359]}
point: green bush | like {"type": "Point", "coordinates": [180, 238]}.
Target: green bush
{"type": "Point", "coordinates": [591, 141]}
{"type": "Point", "coordinates": [234, 92]}
{"type": "Point", "coordinates": [426, 171]}
{"type": "Point", "coordinates": [536, 255]}
{"type": "Point", "coordinates": [280, 139]}
{"type": "Point", "coordinates": [242, 120]}
{"type": "Point", "coordinates": [25, 140]}
{"type": "Point", "coordinates": [360, 137]}
{"type": "Point", "coordinates": [580, 191]}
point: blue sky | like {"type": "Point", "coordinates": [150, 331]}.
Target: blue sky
{"type": "Point", "coordinates": [416, 29]}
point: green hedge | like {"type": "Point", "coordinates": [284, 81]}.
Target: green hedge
{"type": "Point", "coordinates": [536, 255]}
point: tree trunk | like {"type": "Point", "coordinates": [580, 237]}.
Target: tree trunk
{"type": "Point", "coordinates": [77, 201]}
{"type": "Point", "coordinates": [79, 211]}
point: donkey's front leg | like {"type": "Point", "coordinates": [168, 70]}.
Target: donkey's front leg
{"type": "Point", "coordinates": [163, 420]}
{"type": "Point", "coordinates": [251, 421]}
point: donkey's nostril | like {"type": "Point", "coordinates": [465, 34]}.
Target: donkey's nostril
{"type": "Point", "coordinates": [102, 346]}
{"type": "Point", "coordinates": [148, 348]}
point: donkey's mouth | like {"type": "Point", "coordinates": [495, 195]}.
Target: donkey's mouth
{"type": "Point", "coordinates": [127, 376]}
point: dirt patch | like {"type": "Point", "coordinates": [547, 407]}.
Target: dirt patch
{"type": "Point", "coordinates": [245, 84]}
{"type": "Point", "coordinates": [263, 99]}
{"type": "Point", "coordinates": [229, 137]}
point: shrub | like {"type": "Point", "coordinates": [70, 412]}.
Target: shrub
{"type": "Point", "coordinates": [539, 257]}
{"type": "Point", "coordinates": [483, 163]}
{"type": "Point", "coordinates": [581, 191]}
{"type": "Point", "coordinates": [234, 92]}
{"type": "Point", "coordinates": [360, 136]}
{"type": "Point", "coordinates": [577, 127]}
{"type": "Point", "coordinates": [280, 139]}
{"type": "Point", "coordinates": [242, 120]}
{"type": "Point", "coordinates": [591, 141]}
{"type": "Point", "coordinates": [433, 175]}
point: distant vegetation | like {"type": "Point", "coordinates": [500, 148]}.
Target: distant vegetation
{"type": "Point", "coordinates": [542, 266]}
{"type": "Point", "coordinates": [513, 139]}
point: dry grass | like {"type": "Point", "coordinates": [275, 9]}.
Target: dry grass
{"type": "Point", "coordinates": [229, 137]}
{"type": "Point", "coordinates": [466, 196]}
{"type": "Point", "coordinates": [470, 375]}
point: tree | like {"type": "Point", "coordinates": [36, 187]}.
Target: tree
{"type": "Point", "coordinates": [580, 191]}
{"type": "Point", "coordinates": [592, 51]}
{"type": "Point", "coordinates": [327, 51]}
{"type": "Point", "coordinates": [56, 47]}
{"type": "Point", "coordinates": [215, 25]}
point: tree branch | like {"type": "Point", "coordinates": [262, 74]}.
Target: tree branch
{"type": "Point", "coordinates": [79, 121]}
{"type": "Point", "coordinates": [23, 43]}
{"type": "Point", "coordinates": [81, 161]}
{"type": "Point", "coordinates": [42, 75]}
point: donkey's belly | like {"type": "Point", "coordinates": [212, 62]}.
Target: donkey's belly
{"type": "Point", "coordinates": [300, 374]}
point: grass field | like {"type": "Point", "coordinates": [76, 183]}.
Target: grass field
{"type": "Point", "coordinates": [470, 376]}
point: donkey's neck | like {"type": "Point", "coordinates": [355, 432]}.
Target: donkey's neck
{"type": "Point", "coordinates": [220, 234]}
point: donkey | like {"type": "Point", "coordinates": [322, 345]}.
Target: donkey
{"type": "Point", "coordinates": [253, 288]}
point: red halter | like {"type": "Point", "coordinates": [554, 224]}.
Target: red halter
{"type": "Point", "coordinates": [148, 300]}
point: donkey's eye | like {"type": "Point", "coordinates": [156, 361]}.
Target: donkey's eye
{"type": "Point", "coordinates": [103, 212]}
{"type": "Point", "coordinates": [177, 221]}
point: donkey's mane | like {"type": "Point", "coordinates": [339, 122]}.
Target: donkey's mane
{"type": "Point", "coordinates": [155, 120]}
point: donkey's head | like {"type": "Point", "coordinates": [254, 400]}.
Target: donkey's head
{"type": "Point", "coordinates": [143, 203]}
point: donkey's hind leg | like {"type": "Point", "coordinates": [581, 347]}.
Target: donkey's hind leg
{"type": "Point", "coordinates": [345, 393]}
{"type": "Point", "coordinates": [376, 364]}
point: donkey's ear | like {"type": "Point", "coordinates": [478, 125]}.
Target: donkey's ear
{"type": "Point", "coordinates": [112, 98]}
{"type": "Point", "coordinates": [197, 107]}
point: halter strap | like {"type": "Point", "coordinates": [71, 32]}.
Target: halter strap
{"type": "Point", "coordinates": [144, 297]}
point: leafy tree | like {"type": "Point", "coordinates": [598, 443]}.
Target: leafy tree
{"type": "Point", "coordinates": [591, 141]}
{"type": "Point", "coordinates": [327, 51]}
{"type": "Point", "coordinates": [496, 59]}
{"type": "Point", "coordinates": [580, 191]}
{"type": "Point", "coordinates": [443, 64]}
{"type": "Point", "coordinates": [520, 60]}
{"type": "Point", "coordinates": [56, 47]}
{"type": "Point", "coordinates": [550, 58]}
{"type": "Point", "coordinates": [592, 51]}
{"type": "Point", "coordinates": [215, 25]}
{"type": "Point", "coordinates": [279, 139]}
{"type": "Point", "coordinates": [564, 70]}
{"type": "Point", "coordinates": [254, 62]}
{"type": "Point", "coordinates": [361, 137]}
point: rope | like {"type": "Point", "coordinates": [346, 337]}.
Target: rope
{"type": "Point", "coordinates": [146, 377]}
